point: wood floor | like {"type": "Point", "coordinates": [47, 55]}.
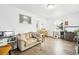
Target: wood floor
{"type": "Point", "coordinates": [50, 47]}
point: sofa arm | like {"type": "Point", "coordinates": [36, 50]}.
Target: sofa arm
{"type": "Point", "coordinates": [25, 42]}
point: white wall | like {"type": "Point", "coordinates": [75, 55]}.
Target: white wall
{"type": "Point", "coordinates": [9, 19]}
{"type": "Point", "coordinates": [73, 21]}
{"type": "Point", "coordinates": [72, 18]}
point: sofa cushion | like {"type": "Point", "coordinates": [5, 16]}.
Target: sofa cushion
{"type": "Point", "coordinates": [28, 35]}
{"type": "Point", "coordinates": [31, 41]}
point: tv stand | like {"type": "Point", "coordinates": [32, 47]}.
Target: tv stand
{"type": "Point", "coordinates": [7, 37]}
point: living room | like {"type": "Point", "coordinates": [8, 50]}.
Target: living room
{"type": "Point", "coordinates": [36, 29]}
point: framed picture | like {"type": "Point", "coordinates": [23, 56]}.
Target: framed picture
{"type": "Point", "coordinates": [24, 19]}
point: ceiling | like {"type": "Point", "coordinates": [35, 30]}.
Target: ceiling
{"type": "Point", "coordinates": [41, 10]}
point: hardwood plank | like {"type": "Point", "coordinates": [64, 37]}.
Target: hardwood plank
{"type": "Point", "coordinates": [50, 47]}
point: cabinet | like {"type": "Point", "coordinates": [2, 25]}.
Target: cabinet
{"type": "Point", "coordinates": [77, 43]}
{"type": "Point", "coordinates": [13, 42]}
{"type": "Point", "coordinates": [7, 37]}
{"type": "Point", "coordinates": [69, 36]}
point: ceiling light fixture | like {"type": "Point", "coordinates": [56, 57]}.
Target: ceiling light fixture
{"type": "Point", "coordinates": [50, 6]}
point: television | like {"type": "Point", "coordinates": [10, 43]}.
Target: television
{"type": "Point", "coordinates": [1, 33]}
{"type": "Point", "coordinates": [8, 33]}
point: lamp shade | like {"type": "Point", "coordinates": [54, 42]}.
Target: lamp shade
{"type": "Point", "coordinates": [66, 22]}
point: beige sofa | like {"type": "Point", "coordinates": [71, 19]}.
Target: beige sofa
{"type": "Point", "coordinates": [27, 40]}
